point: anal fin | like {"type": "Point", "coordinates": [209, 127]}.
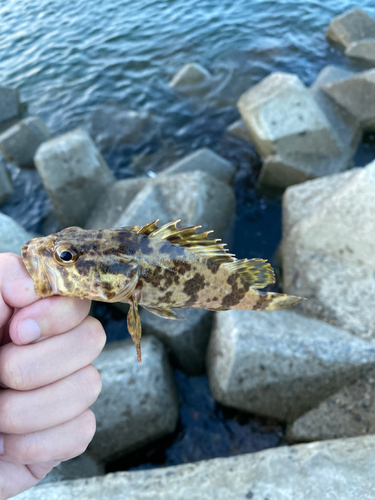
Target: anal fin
{"type": "Point", "coordinates": [134, 327]}
{"type": "Point", "coordinates": [163, 313]}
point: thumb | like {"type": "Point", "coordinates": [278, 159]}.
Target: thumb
{"type": "Point", "coordinates": [16, 285]}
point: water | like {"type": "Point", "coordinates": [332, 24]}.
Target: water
{"type": "Point", "coordinates": [69, 59]}
{"type": "Point", "coordinates": [66, 58]}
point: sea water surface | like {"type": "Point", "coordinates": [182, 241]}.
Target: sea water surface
{"type": "Point", "coordinates": [69, 59]}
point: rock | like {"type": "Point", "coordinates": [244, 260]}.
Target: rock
{"type": "Point", "coordinates": [239, 129]}
{"type": "Point", "coordinates": [6, 187]}
{"type": "Point", "coordinates": [12, 235]}
{"type": "Point", "coordinates": [74, 175]}
{"type": "Point", "coordinates": [286, 124]}
{"type": "Point", "coordinates": [356, 95]}
{"type": "Point", "coordinates": [349, 412]}
{"type": "Point", "coordinates": [114, 201]}
{"type": "Point", "coordinates": [9, 103]}
{"type": "Point", "coordinates": [303, 199]}
{"type": "Point", "coordinates": [138, 403]}
{"type": "Point", "coordinates": [190, 75]}
{"type": "Point", "coordinates": [19, 143]}
{"type": "Point", "coordinates": [329, 249]}
{"type": "Point", "coordinates": [186, 340]}
{"type": "Point", "coordinates": [341, 469]}
{"type": "Point", "coordinates": [351, 26]}
{"type": "Point", "coordinates": [76, 468]}
{"type": "Point", "coordinates": [363, 50]}
{"type": "Point", "coordinates": [206, 160]}
{"type": "Point", "coordinates": [194, 197]}
{"type": "Point", "coordinates": [345, 125]}
{"type": "Point", "coordinates": [279, 172]}
{"type": "Point", "coordinates": [112, 126]}
{"type": "Point", "coordinates": [280, 364]}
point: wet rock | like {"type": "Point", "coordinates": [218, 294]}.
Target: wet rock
{"type": "Point", "coordinates": [286, 124]}
{"type": "Point", "coordinates": [206, 160]}
{"type": "Point", "coordinates": [138, 403]}
{"type": "Point", "coordinates": [341, 469]}
{"type": "Point", "coordinates": [76, 468]}
{"type": "Point", "coordinates": [114, 201]}
{"type": "Point", "coordinates": [191, 74]}
{"type": "Point", "coordinates": [6, 187]}
{"type": "Point", "coordinates": [186, 340]}
{"type": "Point", "coordinates": [351, 26]}
{"type": "Point", "coordinates": [9, 103]}
{"type": "Point", "coordinates": [12, 235]}
{"type": "Point", "coordinates": [20, 142]}
{"type": "Point", "coordinates": [194, 197]}
{"type": "Point", "coordinates": [279, 363]}
{"type": "Point", "coordinates": [329, 250]}
{"type": "Point", "coordinates": [112, 126]}
{"type": "Point", "coordinates": [349, 412]}
{"type": "Point", "coordinates": [239, 129]}
{"type": "Point", "coordinates": [356, 95]}
{"type": "Point", "coordinates": [363, 50]}
{"type": "Point", "coordinates": [346, 126]}
{"type": "Point", "coordinates": [74, 175]}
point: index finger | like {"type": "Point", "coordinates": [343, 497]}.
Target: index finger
{"type": "Point", "coordinates": [48, 317]}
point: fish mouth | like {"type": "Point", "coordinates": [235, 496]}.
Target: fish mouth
{"type": "Point", "coordinates": [42, 274]}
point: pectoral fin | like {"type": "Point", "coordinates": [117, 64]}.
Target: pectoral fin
{"type": "Point", "coordinates": [128, 289]}
{"type": "Point", "coordinates": [134, 326]}
{"type": "Point", "coordinates": [163, 313]}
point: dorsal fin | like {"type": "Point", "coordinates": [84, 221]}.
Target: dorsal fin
{"type": "Point", "coordinates": [148, 229]}
{"type": "Point", "coordinates": [198, 243]}
{"type": "Point", "coordinates": [254, 272]}
{"type": "Point", "coordinates": [127, 228]}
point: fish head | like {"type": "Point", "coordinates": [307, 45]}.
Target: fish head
{"type": "Point", "coordinates": [78, 263]}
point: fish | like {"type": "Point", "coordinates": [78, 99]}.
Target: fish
{"type": "Point", "coordinates": [158, 268]}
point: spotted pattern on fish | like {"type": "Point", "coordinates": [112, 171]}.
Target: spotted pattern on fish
{"type": "Point", "coordinates": [159, 268]}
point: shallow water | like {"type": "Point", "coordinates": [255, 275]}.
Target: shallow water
{"type": "Point", "coordinates": [71, 58]}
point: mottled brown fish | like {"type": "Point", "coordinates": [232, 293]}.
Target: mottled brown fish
{"type": "Point", "coordinates": [155, 267]}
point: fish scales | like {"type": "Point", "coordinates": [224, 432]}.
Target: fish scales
{"type": "Point", "coordinates": [159, 268]}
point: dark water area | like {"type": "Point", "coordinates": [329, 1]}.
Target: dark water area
{"type": "Point", "coordinates": [70, 59]}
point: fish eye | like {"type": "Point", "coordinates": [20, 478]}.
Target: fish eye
{"type": "Point", "coordinates": [65, 256]}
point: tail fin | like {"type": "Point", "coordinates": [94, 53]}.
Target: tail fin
{"type": "Point", "coordinates": [261, 301]}
{"type": "Point", "coordinates": [281, 300]}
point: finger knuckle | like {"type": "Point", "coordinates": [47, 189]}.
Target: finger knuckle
{"type": "Point", "coordinates": [13, 371]}
{"type": "Point", "coordinates": [93, 381]}
{"type": "Point", "coordinates": [8, 415]}
{"type": "Point", "coordinates": [28, 449]}
{"type": "Point", "coordinates": [87, 430]}
{"type": "Point", "coordinates": [96, 333]}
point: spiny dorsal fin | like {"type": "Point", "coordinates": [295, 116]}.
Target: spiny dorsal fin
{"type": "Point", "coordinates": [254, 272]}
{"type": "Point", "coordinates": [198, 243]}
{"type": "Point", "coordinates": [148, 229]}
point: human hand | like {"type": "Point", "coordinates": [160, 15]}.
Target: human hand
{"type": "Point", "coordinates": [47, 382]}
